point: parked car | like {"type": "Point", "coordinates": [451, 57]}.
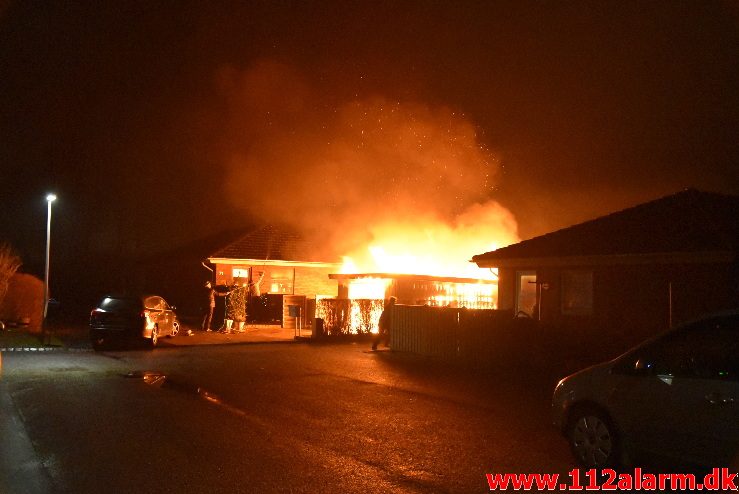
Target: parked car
{"type": "Point", "coordinates": [673, 399]}
{"type": "Point", "coordinates": [119, 318]}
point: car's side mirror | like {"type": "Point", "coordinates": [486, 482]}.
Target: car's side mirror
{"type": "Point", "coordinates": [643, 366]}
{"type": "Point", "coordinates": [632, 367]}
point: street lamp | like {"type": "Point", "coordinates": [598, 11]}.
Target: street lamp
{"type": "Point", "coordinates": [49, 199]}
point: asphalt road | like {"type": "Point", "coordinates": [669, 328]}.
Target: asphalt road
{"type": "Point", "coordinates": [268, 418]}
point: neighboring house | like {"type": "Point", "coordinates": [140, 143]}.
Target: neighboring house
{"type": "Point", "coordinates": [629, 274]}
{"type": "Point", "coordinates": [276, 263]}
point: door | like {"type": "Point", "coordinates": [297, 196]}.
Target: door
{"type": "Point", "coordinates": [159, 315]}
{"type": "Point", "coordinates": [526, 293]}
{"type": "Point", "coordinates": [169, 316]}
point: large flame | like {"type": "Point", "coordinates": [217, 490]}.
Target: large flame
{"type": "Point", "coordinates": [430, 246]}
{"type": "Point", "coordinates": [368, 288]}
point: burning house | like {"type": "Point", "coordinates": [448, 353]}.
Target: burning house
{"type": "Point", "coordinates": [290, 282]}
{"type": "Point", "coordinates": [402, 190]}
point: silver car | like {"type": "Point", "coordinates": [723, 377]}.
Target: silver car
{"type": "Point", "coordinates": [119, 318]}
{"type": "Point", "coordinates": [674, 398]}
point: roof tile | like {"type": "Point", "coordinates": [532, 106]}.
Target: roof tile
{"type": "Point", "coordinates": [271, 243]}
{"type": "Point", "coordinates": [688, 221]}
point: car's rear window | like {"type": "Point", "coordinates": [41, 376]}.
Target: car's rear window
{"type": "Point", "coordinates": [119, 303]}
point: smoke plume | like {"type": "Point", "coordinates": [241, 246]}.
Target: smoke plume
{"type": "Point", "coordinates": [349, 172]}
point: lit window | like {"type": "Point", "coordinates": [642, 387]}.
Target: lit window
{"type": "Point", "coordinates": [241, 273]}
{"type": "Point", "coordinates": [281, 281]}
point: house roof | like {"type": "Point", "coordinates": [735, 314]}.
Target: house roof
{"type": "Point", "coordinates": [195, 250]}
{"type": "Point", "coordinates": [685, 223]}
{"type": "Point", "coordinates": [270, 243]}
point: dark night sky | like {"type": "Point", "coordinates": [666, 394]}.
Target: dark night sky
{"type": "Point", "coordinates": [131, 111]}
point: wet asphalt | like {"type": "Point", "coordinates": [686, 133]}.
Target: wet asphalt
{"type": "Point", "coordinates": [269, 418]}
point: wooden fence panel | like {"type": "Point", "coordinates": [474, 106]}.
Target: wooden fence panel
{"type": "Point", "coordinates": [464, 334]}
{"type": "Point", "coordinates": [474, 336]}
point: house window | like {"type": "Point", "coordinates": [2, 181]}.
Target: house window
{"type": "Point", "coordinates": [577, 292]}
{"type": "Point", "coordinates": [241, 276]}
{"type": "Point", "coordinates": [241, 273]}
{"type": "Point", "coordinates": [281, 281]}
{"type": "Point", "coordinates": [526, 292]}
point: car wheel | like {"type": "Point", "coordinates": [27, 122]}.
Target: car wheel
{"type": "Point", "coordinates": [593, 439]}
{"type": "Point", "coordinates": [175, 329]}
{"type": "Point", "coordinates": [154, 337]}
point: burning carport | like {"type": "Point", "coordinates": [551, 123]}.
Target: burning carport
{"type": "Point", "coordinates": [361, 297]}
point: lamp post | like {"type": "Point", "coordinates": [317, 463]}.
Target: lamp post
{"type": "Point", "coordinates": [49, 199]}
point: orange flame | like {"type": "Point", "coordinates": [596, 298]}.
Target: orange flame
{"type": "Point", "coordinates": [433, 247]}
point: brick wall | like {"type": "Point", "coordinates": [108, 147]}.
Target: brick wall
{"type": "Point", "coordinates": [309, 281]}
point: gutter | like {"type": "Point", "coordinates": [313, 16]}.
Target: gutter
{"type": "Point", "coordinates": [202, 263]}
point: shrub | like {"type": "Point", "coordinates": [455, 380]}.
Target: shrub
{"type": "Point", "coordinates": [24, 300]}
{"type": "Point", "coordinates": [236, 304]}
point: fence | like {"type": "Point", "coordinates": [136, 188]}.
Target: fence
{"type": "Point", "coordinates": [480, 337]}
{"type": "Point", "coordinates": [425, 330]}
{"type": "Point", "coordinates": [470, 335]}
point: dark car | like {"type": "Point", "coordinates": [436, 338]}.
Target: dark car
{"type": "Point", "coordinates": [119, 318]}
{"type": "Point", "coordinates": [671, 400]}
